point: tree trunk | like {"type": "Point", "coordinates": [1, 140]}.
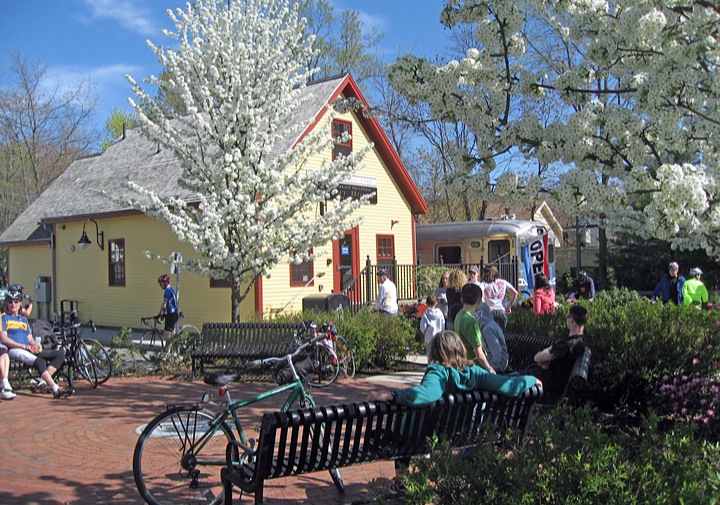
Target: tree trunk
{"type": "Point", "coordinates": [602, 259]}
{"type": "Point", "coordinates": [237, 298]}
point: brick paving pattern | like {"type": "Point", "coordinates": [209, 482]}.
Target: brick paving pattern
{"type": "Point", "coordinates": [78, 451]}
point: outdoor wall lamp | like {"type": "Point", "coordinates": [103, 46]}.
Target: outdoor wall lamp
{"type": "Point", "coordinates": [84, 241]}
{"type": "Point", "coordinates": [393, 222]}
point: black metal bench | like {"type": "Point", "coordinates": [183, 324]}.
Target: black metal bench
{"type": "Point", "coordinates": [522, 349]}
{"type": "Point", "coordinates": [244, 341]}
{"type": "Point", "coordinates": [356, 433]}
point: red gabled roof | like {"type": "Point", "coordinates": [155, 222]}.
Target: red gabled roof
{"type": "Point", "coordinates": [349, 88]}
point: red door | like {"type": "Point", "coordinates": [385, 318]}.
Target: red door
{"type": "Point", "coordinates": [347, 265]}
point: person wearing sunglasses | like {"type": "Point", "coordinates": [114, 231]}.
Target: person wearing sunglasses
{"type": "Point", "coordinates": [15, 334]}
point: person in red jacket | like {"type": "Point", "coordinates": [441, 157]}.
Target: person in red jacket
{"type": "Point", "coordinates": [544, 296]}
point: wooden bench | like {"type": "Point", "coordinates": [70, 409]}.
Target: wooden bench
{"type": "Point", "coordinates": [357, 433]}
{"type": "Point", "coordinates": [522, 349]}
{"type": "Point", "coordinates": [245, 341]}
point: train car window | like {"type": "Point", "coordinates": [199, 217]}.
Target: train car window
{"type": "Point", "coordinates": [499, 251]}
{"type": "Point", "coordinates": [551, 253]}
{"type": "Point", "coordinates": [449, 255]}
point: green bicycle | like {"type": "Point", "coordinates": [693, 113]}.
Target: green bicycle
{"type": "Point", "coordinates": [180, 453]}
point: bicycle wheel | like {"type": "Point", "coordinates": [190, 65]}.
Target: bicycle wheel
{"type": "Point", "coordinates": [325, 366]}
{"type": "Point", "coordinates": [305, 400]}
{"type": "Point", "coordinates": [345, 356]}
{"type": "Point", "coordinates": [100, 358]}
{"type": "Point", "coordinates": [84, 364]}
{"type": "Point", "coordinates": [151, 343]}
{"type": "Point", "coordinates": [177, 462]}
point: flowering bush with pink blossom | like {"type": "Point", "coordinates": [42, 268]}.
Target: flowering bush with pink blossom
{"type": "Point", "coordinates": [694, 397]}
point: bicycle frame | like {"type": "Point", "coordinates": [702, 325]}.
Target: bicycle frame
{"type": "Point", "coordinates": [296, 389]}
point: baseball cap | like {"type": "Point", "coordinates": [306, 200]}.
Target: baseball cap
{"type": "Point", "coordinates": [382, 271]}
{"type": "Point", "coordinates": [474, 270]}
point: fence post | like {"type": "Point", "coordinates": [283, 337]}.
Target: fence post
{"type": "Point", "coordinates": [369, 274]}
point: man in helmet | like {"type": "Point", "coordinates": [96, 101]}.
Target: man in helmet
{"type": "Point", "coordinates": [583, 287]}
{"type": "Point", "coordinates": [16, 335]}
{"type": "Point", "coordinates": [671, 285]}
{"type": "Point", "coordinates": [694, 291]}
{"type": "Point", "coordinates": [169, 307]}
{"type": "Point", "coordinates": [17, 290]}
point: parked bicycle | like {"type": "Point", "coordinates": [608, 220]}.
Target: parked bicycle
{"type": "Point", "coordinates": [180, 453]}
{"type": "Point", "coordinates": [84, 357]}
{"type": "Point", "coordinates": [331, 356]}
{"type": "Point", "coordinates": [152, 343]}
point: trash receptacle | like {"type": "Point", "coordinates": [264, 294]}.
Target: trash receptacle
{"type": "Point", "coordinates": [326, 303]}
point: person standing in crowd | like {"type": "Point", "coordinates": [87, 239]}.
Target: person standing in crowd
{"type": "Point", "coordinates": [453, 294]}
{"type": "Point", "coordinates": [474, 275]}
{"type": "Point", "coordinates": [670, 285]}
{"type": "Point", "coordinates": [15, 334]}
{"type": "Point", "coordinates": [553, 365]}
{"type": "Point", "coordinates": [694, 291]}
{"type": "Point", "coordinates": [432, 321]}
{"type": "Point", "coordinates": [583, 287]}
{"type": "Point", "coordinates": [169, 307]}
{"type": "Point", "coordinates": [493, 339]}
{"type": "Point", "coordinates": [467, 326]}
{"type": "Point", "coordinates": [494, 291]}
{"type": "Point", "coordinates": [440, 294]}
{"type": "Point", "coordinates": [543, 296]}
{"type": "Point", "coordinates": [386, 301]}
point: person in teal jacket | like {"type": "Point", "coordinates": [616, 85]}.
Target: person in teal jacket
{"type": "Point", "coordinates": [451, 372]}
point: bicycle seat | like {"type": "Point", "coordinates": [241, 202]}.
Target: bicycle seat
{"type": "Point", "coordinates": [220, 379]}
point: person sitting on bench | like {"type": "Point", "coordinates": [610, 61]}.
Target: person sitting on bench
{"type": "Point", "coordinates": [553, 365]}
{"type": "Point", "coordinates": [449, 372]}
{"type": "Point", "coordinates": [16, 335]}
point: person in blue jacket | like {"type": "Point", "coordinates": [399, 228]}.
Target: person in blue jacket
{"type": "Point", "coordinates": [670, 286]}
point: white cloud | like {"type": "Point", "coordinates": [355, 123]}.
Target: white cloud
{"type": "Point", "coordinates": [130, 14]}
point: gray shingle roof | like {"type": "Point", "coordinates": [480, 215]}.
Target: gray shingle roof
{"type": "Point", "coordinates": [77, 191]}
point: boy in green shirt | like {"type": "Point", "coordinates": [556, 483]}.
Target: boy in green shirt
{"type": "Point", "coordinates": [467, 326]}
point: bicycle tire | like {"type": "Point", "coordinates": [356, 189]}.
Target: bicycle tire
{"type": "Point", "coordinates": [151, 343]}
{"type": "Point", "coordinates": [163, 460]}
{"type": "Point", "coordinates": [84, 364]}
{"type": "Point", "coordinates": [325, 366]}
{"type": "Point", "coordinates": [101, 359]}
{"type": "Point", "coordinates": [305, 400]}
{"type": "Point", "coordinates": [345, 356]}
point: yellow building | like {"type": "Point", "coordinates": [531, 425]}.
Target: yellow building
{"type": "Point", "coordinates": [114, 282]}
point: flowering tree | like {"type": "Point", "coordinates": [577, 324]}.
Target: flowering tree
{"type": "Point", "coordinates": [635, 81]}
{"type": "Point", "coordinates": [239, 74]}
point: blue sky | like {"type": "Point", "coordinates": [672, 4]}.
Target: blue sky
{"type": "Point", "coordinates": [103, 40]}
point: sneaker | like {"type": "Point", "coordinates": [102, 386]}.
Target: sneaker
{"type": "Point", "coordinates": [63, 392]}
{"type": "Point", "coordinates": [7, 394]}
{"type": "Point", "coordinates": [397, 486]}
{"type": "Point", "coordinates": [41, 387]}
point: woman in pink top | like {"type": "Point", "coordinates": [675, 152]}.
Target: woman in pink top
{"type": "Point", "coordinates": [544, 297]}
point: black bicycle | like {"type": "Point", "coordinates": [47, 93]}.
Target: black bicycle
{"type": "Point", "coordinates": [84, 357]}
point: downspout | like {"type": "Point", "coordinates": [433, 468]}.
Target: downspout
{"type": "Point", "coordinates": [53, 270]}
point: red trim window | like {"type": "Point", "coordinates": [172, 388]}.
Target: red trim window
{"type": "Point", "coordinates": [338, 128]}
{"type": "Point", "coordinates": [116, 262]}
{"type": "Point", "coordinates": [301, 274]}
{"type": "Point", "coordinates": [385, 249]}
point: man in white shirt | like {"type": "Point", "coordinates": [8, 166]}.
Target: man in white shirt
{"type": "Point", "coordinates": [386, 300]}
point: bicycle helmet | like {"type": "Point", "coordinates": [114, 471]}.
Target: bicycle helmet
{"type": "Point", "coordinates": [695, 271]}
{"type": "Point", "coordinates": [582, 276]}
{"type": "Point", "coordinates": [164, 278]}
{"type": "Point", "coordinates": [673, 266]}
{"type": "Point", "coordinates": [15, 291]}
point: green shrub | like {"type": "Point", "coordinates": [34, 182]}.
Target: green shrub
{"type": "Point", "coordinates": [635, 343]}
{"type": "Point", "coordinates": [377, 340]}
{"type": "Point", "coordinates": [571, 459]}
{"type": "Point", "coordinates": [428, 278]}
